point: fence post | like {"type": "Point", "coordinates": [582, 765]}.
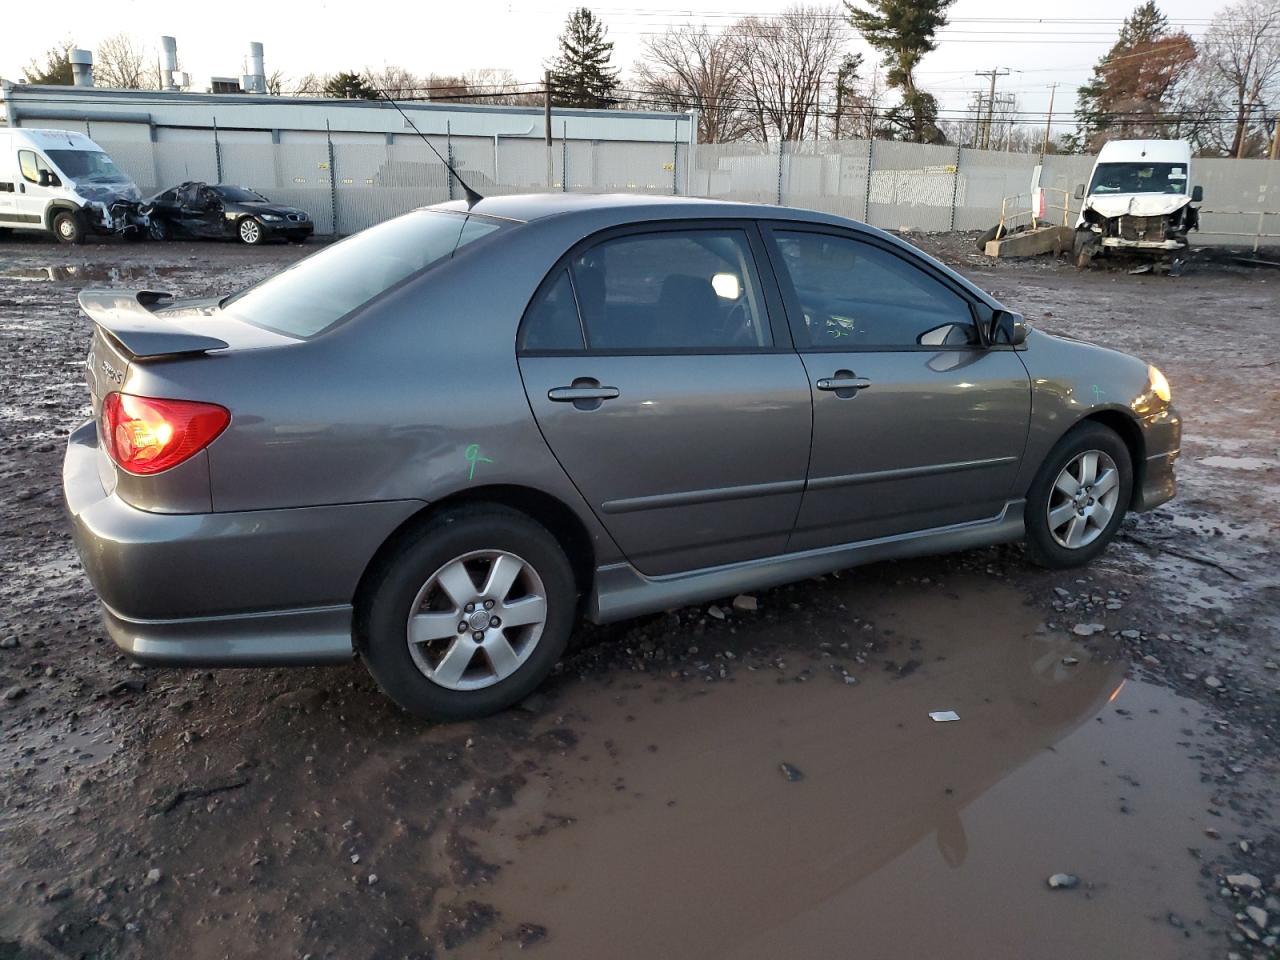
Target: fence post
{"type": "Point", "coordinates": [448, 152]}
{"type": "Point", "coordinates": [217, 150]}
{"type": "Point", "coordinates": [866, 193]}
{"type": "Point", "coordinates": [955, 190]}
{"type": "Point", "coordinates": [782, 144]}
{"type": "Point", "coordinates": [564, 156]}
{"type": "Point", "coordinates": [688, 157]}
{"type": "Point", "coordinates": [675, 157]}
{"type": "Point", "coordinates": [333, 179]}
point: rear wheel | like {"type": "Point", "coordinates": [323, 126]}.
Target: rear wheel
{"type": "Point", "coordinates": [469, 616]}
{"type": "Point", "coordinates": [1079, 497]}
{"type": "Point", "coordinates": [250, 231]}
{"type": "Point", "coordinates": [68, 226]}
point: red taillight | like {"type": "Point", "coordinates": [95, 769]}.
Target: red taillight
{"type": "Point", "coordinates": [144, 435]}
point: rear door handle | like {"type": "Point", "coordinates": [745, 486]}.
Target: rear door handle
{"type": "Point", "coordinates": [843, 383]}
{"type": "Point", "coordinates": [585, 393]}
{"type": "Point", "coordinates": [570, 394]}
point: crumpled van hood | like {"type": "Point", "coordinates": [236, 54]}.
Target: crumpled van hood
{"type": "Point", "coordinates": [108, 191]}
{"type": "Point", "coordinates": [1136, 204]}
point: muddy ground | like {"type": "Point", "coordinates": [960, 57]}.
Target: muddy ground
{"type": "Point", "coordinates": [712, 782]}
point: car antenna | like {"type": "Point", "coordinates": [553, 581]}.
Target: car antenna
{"type": "Point", "coordinates": [472, 197]}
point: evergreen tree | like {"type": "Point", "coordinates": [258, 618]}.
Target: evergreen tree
{"type": "Point", "coordinates": [56, 68]}
{"type": "Point", "coordinates": [350, 86]}
{"type": "Point", "coordinates": [903, 32]}
{"type": "Point", "coordinates": [581, 75]}
{"type": "Point", "coordinates": [1126, 96]}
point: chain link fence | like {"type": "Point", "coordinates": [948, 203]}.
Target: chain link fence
{"type": "Point", "coordinates": [346, 187]}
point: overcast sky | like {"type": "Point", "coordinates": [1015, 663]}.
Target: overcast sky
{"type": "Point", "coordinates": [325, 37]}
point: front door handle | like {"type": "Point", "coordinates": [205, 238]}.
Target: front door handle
{"type": "Point", "coordinates": [844, 384]}
{"type": "Point", "coordinates": [585, 393]}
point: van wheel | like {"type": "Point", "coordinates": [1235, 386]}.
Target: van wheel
{"type": "Point", "coordinates": [68, 226]}
{"type": "Point", "coordinates": [1078, 497]}
{"type": "Point", "coordinates": [469, 616]}
{"type": "Point", "coordinates": [250, 231]}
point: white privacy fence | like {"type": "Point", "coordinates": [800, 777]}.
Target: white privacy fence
{"type": "Point", "coordinates": [346, 187]}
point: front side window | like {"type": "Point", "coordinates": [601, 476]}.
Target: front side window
{"type": "Point", "coordinates": [1139, 178]}
{"type": "Point", "coordinates": [679, 290]}
{"type": "Point", "coordinates": [857, 296]}
{"type": "Point", "coordinates": [318, 291]}
{"type": "Point", "coordinates": [31, 163]}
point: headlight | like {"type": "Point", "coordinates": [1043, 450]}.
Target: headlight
{"type": "Point", "coordinates": [1159, 384]}
{"type": "Point", "coordinates": [272, 218]}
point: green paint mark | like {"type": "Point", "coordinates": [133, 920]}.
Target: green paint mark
{"type": "Point", "coordinates": [473, 457]}
{"type": "Point", "coordinates": [1097, 393]}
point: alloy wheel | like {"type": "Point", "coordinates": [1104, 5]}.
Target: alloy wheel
{"type": "Point", "coordinates": [250, 232]}
{"type": "Point", "coordinates": [1084, 499]}
{"type": "Point", "coordinates": [476, 620]}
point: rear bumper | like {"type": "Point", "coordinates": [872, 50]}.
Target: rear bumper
{"type": "Point", "coordinates": [264, 586]}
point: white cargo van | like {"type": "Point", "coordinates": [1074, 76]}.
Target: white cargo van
{"type": "Point", "coordinates": [64, 183]}
{"type": "Point", "coordinates": [1139, 199]}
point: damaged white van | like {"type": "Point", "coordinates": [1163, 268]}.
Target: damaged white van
{"type": "Point", "coordinates": [1139, 200]}
{"type": "Point", "coordinates": [63, 183]}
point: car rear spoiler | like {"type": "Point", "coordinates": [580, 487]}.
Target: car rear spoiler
{"type": "Point", "coordinates": [126, 316]}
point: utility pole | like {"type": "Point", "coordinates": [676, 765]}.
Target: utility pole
{"type": "Point", "coordinates": [991, 102]}
{"type": "Point", "coordinates": [1049, 122]}
{"type": "Point", "coordinates": [839, 104]}
{"type": "Point", "coordinates": [546, 122]}
{"type": "Point", "coordinates": [1275, 137]}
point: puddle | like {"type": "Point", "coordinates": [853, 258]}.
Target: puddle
{"type": "Point", "coordinates": [904, 837]}
{"type": "Point", "coordinates": [1237, 463]}
{"type": "Point", "coordinates": [89, 272]}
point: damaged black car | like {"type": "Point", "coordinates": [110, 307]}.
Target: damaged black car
{"type": "Point", "coordinates": [221, 211]}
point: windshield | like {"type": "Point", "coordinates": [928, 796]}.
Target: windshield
{"type": "Point", "coordinates": [86, 165]}
{"type": "Point", "coordinates": [1139, 178]}
{"type": "Point", "coordinates": [317, 292]}
{"type": "Point", "coordinates": [238, 194]}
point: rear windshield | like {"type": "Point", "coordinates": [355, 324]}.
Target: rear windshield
{"type": "Point", "coordinates": [318, 291]}
{"type": "Point", "coordinates": [1139, 178]}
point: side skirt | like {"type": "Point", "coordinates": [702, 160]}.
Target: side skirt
{"type": "Point", "coordinates": [622, 591]}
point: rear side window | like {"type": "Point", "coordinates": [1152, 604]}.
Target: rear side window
{"type": "Point", "coordinates": [317, 292]}
{"type": "Point", "coordinates": [552, 322]}
{"type": "Point", "coordinates": [679, 290]}
{"type": "Point", "coordinates": [854, 295]}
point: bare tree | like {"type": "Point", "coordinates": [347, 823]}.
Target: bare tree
{"type": "Point", "coordinates": [1242, 53]}
{"type": "Point", "coordinates": [397, 82]}
{"type": "Point", "coordinates": [784, 62]}
{"type": "Point", "coordinates": [692, 68]}
{"type": "Point", "coordinates": [500, 86]}
{"type": "Point", "coordinates": [275, 83]}
{"type": "Point", "coordinates": [308, 85]}
{"type": "Point", "coordinates": [122, 61]}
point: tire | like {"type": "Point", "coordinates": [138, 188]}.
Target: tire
{"type": "Point", "coordinates": [450, 674]}
{"type": "Point", "coordinates": [993, 234]}
{"type": "Point", "coordinates": [250, 232]}
{"type": "Point", "coordinates": [1082, 248]}
{"type": "Point", "coordinates": [1049, 536]}
{"type": "Point", "coordinates": [158, 230]}
{"type": "Point", "coordinates": [68, 226]}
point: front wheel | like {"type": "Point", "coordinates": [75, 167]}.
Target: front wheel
{"type": "Point", "coordinates": [468, 616]}
{"type": "Point", "coordinates": [68, 227]}
{"type": "Point", "coordinates": [157, 229]}
{"type": "Point", "coordinates": [1079, 497]}
{"type": "Point", "coordinates": [250, 231]}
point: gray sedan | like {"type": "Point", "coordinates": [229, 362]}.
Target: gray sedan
{"type": "Point", "coordinates": [436, 444]}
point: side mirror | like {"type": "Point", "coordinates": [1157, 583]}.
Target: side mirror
{"type": "Point", "coordinates": [1008, 329]}
{"type": "Point", "coordinates": [44, 178]}
{"type": "Point", "coordinates": [1197, 193]}
{"type": "Point", "coordinates": [1080, 191]}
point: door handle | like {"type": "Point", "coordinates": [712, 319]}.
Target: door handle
{"type": "Point", "coordinates": [844, 380]}
{"type": "Point", "coordinates": [585, 393]}
{"type": "Point", "coordinates": [570, 394]}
